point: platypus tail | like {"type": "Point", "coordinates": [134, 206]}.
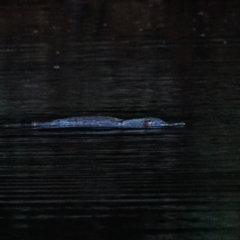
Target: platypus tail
{"type": "Point", "coordinates": [16, 125]}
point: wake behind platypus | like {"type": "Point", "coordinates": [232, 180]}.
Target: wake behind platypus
{"type": "Point", "coordinates": [97, 122]}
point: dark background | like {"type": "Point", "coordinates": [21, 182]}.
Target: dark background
{"type": "Point", "coordinates": [175, 60]}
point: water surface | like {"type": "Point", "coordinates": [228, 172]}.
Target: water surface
{"type": "Point", "coordinates": [175, 61]}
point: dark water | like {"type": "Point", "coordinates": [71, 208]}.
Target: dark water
{"type": "Point", "coordinates": [176, 61]}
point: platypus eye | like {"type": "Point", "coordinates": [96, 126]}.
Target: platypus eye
{"type": "Point", "coordinates": [147, 123]}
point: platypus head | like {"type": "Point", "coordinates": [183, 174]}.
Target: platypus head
{"type": "Point", "coordinates": [153, 123]}
{"type": "Point", "coordinates": [148, 122]}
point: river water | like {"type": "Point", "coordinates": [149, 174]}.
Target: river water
{"type": "Point", "coordinates": [175, 61]}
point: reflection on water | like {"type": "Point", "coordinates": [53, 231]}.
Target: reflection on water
{"type": "Point", "coordinates": [163, 185]}
{"type": "Point", "coordinates": [178, 62]}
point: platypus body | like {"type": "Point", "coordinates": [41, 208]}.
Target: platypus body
{"type": "Point", "coordinates": [105, 122]}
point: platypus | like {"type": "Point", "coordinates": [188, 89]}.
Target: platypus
{"type": "Point", "coordinates": [105, 122]}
